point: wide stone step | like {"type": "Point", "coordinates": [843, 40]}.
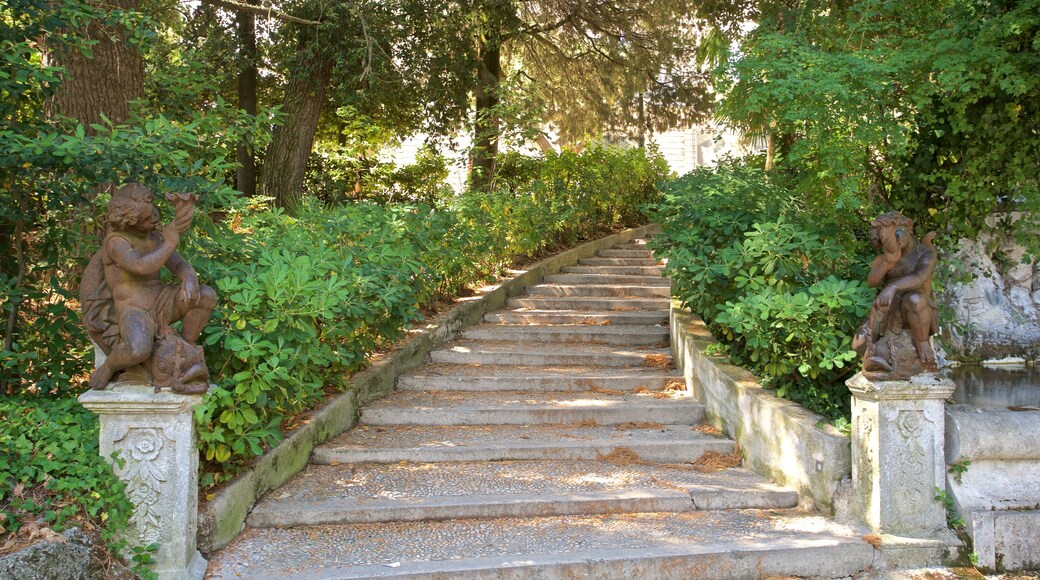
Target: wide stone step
{"type": "Point", "coordinates": [521, 408]}
{"type": "Point", "coordinates": [325, 494]}
{"type": "Point", "coordinates": [631, 335]}
{"type": "Point", "coordinates": [527, 354]}
{"type": "Point", "coordinates": [444, 377]}
{"type": "Point", "coordinates": [585, 303]}
{"type": "Point", "coordinates": [429, 444]}
{"type": "Point", "coordinates": [618, 253]}
{"type": "Point", "coordinates": [598, 290]}
{"type": "Point", "coordinates": [614, 270]}
{"type": "Point", "coordinates": [578, 317]}
{"type": "Point", "coordinates": [654, 279]}
{"type": "Point", "coordinates": [699, 544]}
{"type": "Point", "coordinates": [600, 261]}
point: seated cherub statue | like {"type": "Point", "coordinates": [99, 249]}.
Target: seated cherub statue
{"type": "Point", "coordinates": [128, 309]}
{"type": "Point", "coordinates": [903, 269]}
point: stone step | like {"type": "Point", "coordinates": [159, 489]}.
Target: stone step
{"type": "Point", "coordinates": [600, 261]}
{"type": "Point", "coordinates": [633, 245]}
{"type": "Point", "coordinates": [578, 318]}
{"type": "Point", "coordinates": [617, 253]}
{"type": "Point", "coordinates": [614, 270]}
{"type": "Point", "coordinates": [527, 354]}
{"type": "Point", "coordinates": [443, 377]}
{"type": "Point", "coordinates": [521, 408]}
{"type": "Point", "coordinates": [459, 443]}
{"type": "Point", "coordinates": [586, 303]}
{"type": "Point", "coordinates": [630, 335]}
{"type": "Point", "coordinates": [598, 290]}
{"type": "Point", "coordinates": [342, 494]}
{"type": "Point", "coordinates": [697, 544]}
{"type": "Point", "coordinates": [654, 279]}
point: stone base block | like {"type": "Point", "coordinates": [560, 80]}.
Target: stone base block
{"type": "Point", "coordinates": [898, 552]}
{"type": "Point", "coordinates": [1006, 540]}
{"type": "Point", "coordinates": [195, 570]}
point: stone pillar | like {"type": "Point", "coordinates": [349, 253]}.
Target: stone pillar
{"type": "Point", "coordinates": [898, 459]}
{"type": "Point", "coordinates": [155, 436]}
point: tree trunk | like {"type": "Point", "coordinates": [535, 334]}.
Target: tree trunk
{"type": "Point", "coordinates": [104, 84]}
{"type": "Point", "coordinates": [285, 162]}
{"type": "Point", "coordinates": [770, 150]}
{"type": "Point", "coordinates": [245, 179]}
{"type": "Point", "coordinates": [486, 127]}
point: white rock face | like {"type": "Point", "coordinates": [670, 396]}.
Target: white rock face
{"type": "Point", "coordinates": [998, 313]}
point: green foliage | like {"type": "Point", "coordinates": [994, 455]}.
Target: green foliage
{"type": "Point", "coordinates": [344, 173]}
{"type": "Point", "coordinates": [50, 469]}
{"type": "Point", "coordinates": [776, 281]}
{"type": "Point", "coordinates": [952, 519]}
{"type": "Point", "coordinates": [959, 468]}
{"type": "Point", "coordinates": [929, 108]}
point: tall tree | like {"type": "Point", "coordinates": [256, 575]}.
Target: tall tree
{"type": "Point", "coordinates": [591, 66]}
{"type": "Point", "coordinates": [245, 179]}
{"type": "Point", "coordinates": [106, 73]}
{"type": "Point", "coordinates": [286, 159]}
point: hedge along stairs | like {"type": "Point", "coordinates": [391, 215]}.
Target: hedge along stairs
{"type": "Point", "coordinates": [554, 440]}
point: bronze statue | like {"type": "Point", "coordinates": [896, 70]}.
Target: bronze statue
{"type": "Point", "coordinates": [894, 339]}
{"type": "Point", "coordinates": [128, 310]}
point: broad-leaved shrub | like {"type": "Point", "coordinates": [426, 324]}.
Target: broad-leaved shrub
{"type": "Point", "coordinates": [779, 283]}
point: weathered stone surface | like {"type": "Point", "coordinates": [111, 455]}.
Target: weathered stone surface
{"type": "Point", "coordinates": [224, 517]}
{"type": "Point", "coordinates": [154, 435]}
{"type": "Point", "coordinates": [898, 453]}
{"type": "Point", "coordinates": [998, 311]}
{"type": "Point", "coordinates": [67, 557]}
{"type": "Point", "coordinates": [998, 494]}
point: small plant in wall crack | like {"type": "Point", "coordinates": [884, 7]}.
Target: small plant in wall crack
{"type": "Point", "coordinates": [952, 519]}
{"type": "Point", "coordinates": [959, 468]}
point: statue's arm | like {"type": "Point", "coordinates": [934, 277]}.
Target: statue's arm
{"type": "Point", "coordinates": [140, 263]}
{"type": "Point", "coordinates": [918, 278]}
{"type": "Point", "coordinates": [883, 264]}
{"type": "Point", "coordinates": [186, 274]}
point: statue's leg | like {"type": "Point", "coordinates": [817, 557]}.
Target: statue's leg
{"type": "Point", "coordinates": [137, 330]}
{"type": "Point", "coordinates": [195, 317]}
{"type": "Point", "coordinates": [918, 315]}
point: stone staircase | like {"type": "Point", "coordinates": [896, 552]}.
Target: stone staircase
{"type": "Point", "coordinates": [554, 440]}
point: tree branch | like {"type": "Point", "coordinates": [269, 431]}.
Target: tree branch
{"type": "Point", "coordinates": [260, 11]}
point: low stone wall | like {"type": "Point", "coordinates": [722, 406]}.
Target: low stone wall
{"type": "Point", "coordinates": [779, 438]}
{"type": "Point", "coordinates": [223, 517]}
{"type": "Point", "coordinates": [998, 495]}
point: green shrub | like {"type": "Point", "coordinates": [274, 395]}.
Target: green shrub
{"type": "Point", "coordinates": [776, 281]}
{"type": "Point", "coordinates": [50, 469]}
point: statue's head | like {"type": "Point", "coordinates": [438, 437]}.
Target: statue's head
{"type": "Point", "coordinates": [902, 226]}
{"type": "Point", "coordinates": [131, 208]}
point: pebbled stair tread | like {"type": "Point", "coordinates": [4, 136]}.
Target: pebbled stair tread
{"type": "Point", "coordinates": [746, 543]}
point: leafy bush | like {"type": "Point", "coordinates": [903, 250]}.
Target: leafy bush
{"type": "Point", "coordinates": [778, 282]}
{"type": "Point", "coordinates": [50, 469]}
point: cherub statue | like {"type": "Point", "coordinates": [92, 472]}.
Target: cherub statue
{"type": "Point", "coordinates": [128, 310]}
{"type": "Point", "coordinates": [903, 270]}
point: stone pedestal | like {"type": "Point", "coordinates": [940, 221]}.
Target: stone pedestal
{"type": "Point", "coordinates": [898, 458]}
{"type": "Point", "coordinates": [154, 435]}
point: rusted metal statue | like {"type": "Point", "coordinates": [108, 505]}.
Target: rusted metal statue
{"type": "Point", "coordinates": [128, 310]}
{"type": "Point", "coordinates": [894, 339]}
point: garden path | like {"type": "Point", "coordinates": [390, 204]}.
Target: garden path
{"type": "Point", "coordinates": [554, 440]}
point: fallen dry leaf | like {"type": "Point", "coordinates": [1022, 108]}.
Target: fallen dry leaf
{"type": "Point", "coordinates": [873, 540]}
